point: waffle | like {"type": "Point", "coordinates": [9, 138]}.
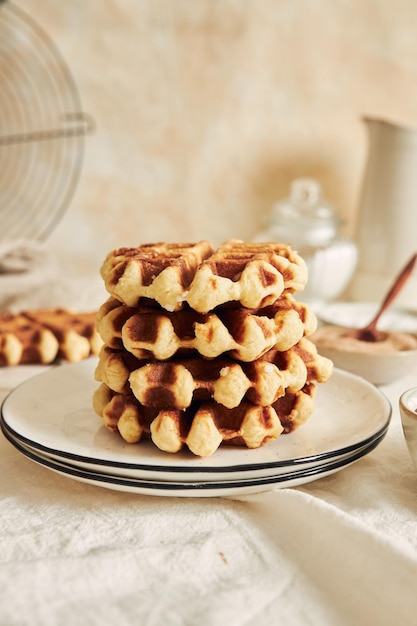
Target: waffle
{"type": "Point", "coordinates": [204, 347]}
{"type": "Point", "coordinates": [253, 274]}
{"type": "Point", "coordinates": [44, 335]}
{"type": "Point", "coordinates": [202, 427]}
{"type": "Point", "coordinates": [158, 271]}
{"type": "Point", "coordinates": [294, 409]}
{"type": "Point", "coordinates": [114, 368]}
{"type": "Point", "coordinates": [243, 334]}
{"type": "Point", "coordinates": [179, 382]}
{"type": "Point", "coordinates": [110, 319]}
{"type": "Point", "coordinates": [319, 368]}
{"type": "Point", "coordinates": [23, 341]}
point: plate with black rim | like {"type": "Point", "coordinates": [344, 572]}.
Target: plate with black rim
{"type": "Point", "coordinates": [52, 413]}
{"type": "Point", "coordinates": [199, 488]}
{"type": "Point", "coordinates": [179, 479]}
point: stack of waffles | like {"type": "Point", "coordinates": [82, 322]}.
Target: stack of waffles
{"type": "Point", "coordinates": [43, 336]}
{"type": "Point", "coordinates": [206, 347]}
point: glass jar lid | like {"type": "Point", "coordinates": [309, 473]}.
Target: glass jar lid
{"type": "Point", "coordinates": [304, 218]}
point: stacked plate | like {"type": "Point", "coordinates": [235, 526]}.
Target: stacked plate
{"type": "Point", "coordinates": [49, 419]}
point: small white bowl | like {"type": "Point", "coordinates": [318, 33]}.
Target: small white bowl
{"type": "Point", "coordinates": [378, 366]}
{"type": "Point", "coordinates": [408, 412]}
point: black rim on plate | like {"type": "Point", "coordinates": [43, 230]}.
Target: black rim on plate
{"type": "Point", "coordinates": [42, 129]}
{"type": "Point", "coordinates": [113, 480]}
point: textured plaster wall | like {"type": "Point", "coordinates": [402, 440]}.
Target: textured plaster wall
{"type": "Point", "coordinates": [206, 109]}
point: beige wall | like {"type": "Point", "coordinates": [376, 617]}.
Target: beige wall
{"type": "Point", "coordinates": [206, 109]}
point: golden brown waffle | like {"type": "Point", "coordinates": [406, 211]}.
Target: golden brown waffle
{"type": "Point", "coordinates": [114, 368]}
{"type": "Point", "coordinates": [110, 319]}
{"type": "Point", "coordinates": [204, 347]}
{"type": "Point", "coordinates": [44, 335]}
{"type": "Point", "coordinates": [160, 271]}
{"type": "Point", "coordinates": [243, 334]}
{"type": "Point", "coordinates": [24, 341]}
{"type": "Point", "coordinates": [253, 274]}
{"type": "Point", "coordinates": [202, 427]}
{"type": "Point", "coordinates": [179, 382]}
{"type": "Point", "coordinates": [319, 367]}
{"type": "Point", "coordinates": [294, 409]}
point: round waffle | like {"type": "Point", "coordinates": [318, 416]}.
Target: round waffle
{"type": "Point", "coordinates": [177, 383]}
{"type": "Point", "coordinates": [202, 427]}
{"type": "Point", "coordinates": [158, 271]}
{"type": "Point", "coordinates": [253, 274]}
{"type": "Point", "coordinates": [44, 335]}
{"type": "Point", "coordinates": [242, 334]}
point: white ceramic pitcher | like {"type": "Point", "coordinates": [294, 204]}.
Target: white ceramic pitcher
{"type": "Point", "coordinates": [387, 218]}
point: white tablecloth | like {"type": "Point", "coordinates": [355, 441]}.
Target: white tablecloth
{"type": "Point", "coordinates": [339, 550]}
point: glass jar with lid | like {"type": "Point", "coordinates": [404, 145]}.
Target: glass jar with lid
{"type": "Point", "coordinates": [312, 227]}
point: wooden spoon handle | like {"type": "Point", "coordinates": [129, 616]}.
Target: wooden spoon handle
{"type": "Point", "coordinates": [393, 292]}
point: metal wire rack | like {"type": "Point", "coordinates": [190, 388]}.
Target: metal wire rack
{"type": "Point", "coordinates": [42, 129]}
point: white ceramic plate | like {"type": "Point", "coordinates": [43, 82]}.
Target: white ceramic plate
{"type": "Point", "coordinates": [133, 474]}
{"type": "Point", "coordinates": [52, 413]}
{"type": "Point", "coordinates": [198, 488]}
{"type": "Point", "coordinates": [358, 314]}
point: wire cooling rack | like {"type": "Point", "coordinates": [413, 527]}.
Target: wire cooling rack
{"type": "Point", "coordinates": [42, 129]}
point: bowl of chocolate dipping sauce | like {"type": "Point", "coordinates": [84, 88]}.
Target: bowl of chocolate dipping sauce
{"type": "Point", "coordinates": [379, 355]}
{"type": "Point", "coordinates": [390, 357]}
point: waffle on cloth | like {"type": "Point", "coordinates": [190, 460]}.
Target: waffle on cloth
{"type": "Point", "coordinates": [203, 347]}
{"type": "Point", "coordinates": [45, 335]}
{"type": "Point", "coordinates": [253, 274]}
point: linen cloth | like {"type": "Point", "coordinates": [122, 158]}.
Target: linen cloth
{"type": "Point", "coordinates": [340, 550]}
{"type": "Point", "coordinates": [31, 276]}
